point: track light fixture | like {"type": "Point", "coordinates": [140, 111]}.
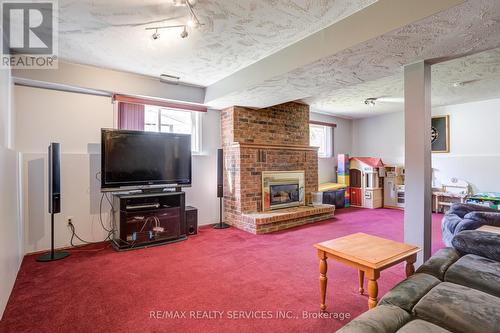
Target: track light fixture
{"type": "Point", "coordinates": [155, 35]}
{"type": "Point", "coordinates": [193, 21]}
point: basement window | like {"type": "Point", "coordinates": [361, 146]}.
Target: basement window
{"type": "Point", "coordinates": [166, 120]}
{"type": "Point", "coordinates": [321, 136]}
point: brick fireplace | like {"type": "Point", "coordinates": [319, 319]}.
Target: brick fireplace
{"type": "Point", "coordinates": [267, 141]}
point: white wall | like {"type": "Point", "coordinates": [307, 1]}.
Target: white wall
{"type": "Point", "coordinates": [11, 253]}
{"type": "Point", "coordinates": [380, 136]}
{"type": "Point", "coordinates": [474, 149]}
{"type": "Point", "coordinates": [342, 144]}
{"type": "Point", "coordinates": [474, 145]}
{"type": "Point", "coordinates": [75, 121]}
{"type": "Point", "coordinates": [203, 193]}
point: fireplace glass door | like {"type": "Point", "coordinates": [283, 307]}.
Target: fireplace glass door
{"type": "Point", "coordinates": [284, 194]}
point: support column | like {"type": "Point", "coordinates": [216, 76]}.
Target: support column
{"type": "Point", "coordinates": [418, 170]}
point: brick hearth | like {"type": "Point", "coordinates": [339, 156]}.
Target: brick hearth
{"type": "Point", "coordinates": [270, 139]}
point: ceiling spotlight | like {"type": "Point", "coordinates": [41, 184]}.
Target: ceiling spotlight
{"type": "Point", "coordinates": [193, 21]}
{"type": "Point", "coordinates": [184, 33]}
{"type": "Point", "coordinates": [155, 35]}
{"type": "Point", "coordinates": [370, 101]}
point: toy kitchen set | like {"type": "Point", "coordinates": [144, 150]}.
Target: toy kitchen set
{"type": "Point", "coordinates": [394, 187]}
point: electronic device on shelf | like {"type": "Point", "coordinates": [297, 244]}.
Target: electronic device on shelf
{"type": "Point", "coordinates": [153, 205]}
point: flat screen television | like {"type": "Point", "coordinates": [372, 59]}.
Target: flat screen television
{"type": "Point", "coordinates": [137, 159]}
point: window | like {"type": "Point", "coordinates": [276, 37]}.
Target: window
{"type": "Point", "coordinates": [159, 119]}
{"type": "Point", "coordinates": [321, 136]}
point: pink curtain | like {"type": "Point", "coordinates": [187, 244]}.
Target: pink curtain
{"type": "Point", "coordinates": [131, 116]}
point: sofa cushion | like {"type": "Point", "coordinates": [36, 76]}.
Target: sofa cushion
{"type": "Point", "coordinates": [421, 326]}
{"type": "Point", "coordinates": [460, 309]}
{"type": "Point", "coordinates": [466, 217]}
{"type": "Point", "coordinates": [462, 209]}
{"type": "Point", "coordinates": [476, 272]}
{"type": "Point", "coordinates": [381, 319]}
{"type": "Point", "coordinates": [408, 292]}
{"type": "Point", "coordinates": [482, 243]}
{"type": "Point", "coordinates": [439, 262]}
{"type": "Point", "coordinates": [475, 220]}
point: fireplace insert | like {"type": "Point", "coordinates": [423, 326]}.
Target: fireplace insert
{"type": "Point", "coordinates": [284, 195]}
{"type": "Point", "coordinates": [282, 189]}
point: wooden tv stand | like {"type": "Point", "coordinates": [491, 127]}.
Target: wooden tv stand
{"type": "Point", "coordinates": [148, 219]}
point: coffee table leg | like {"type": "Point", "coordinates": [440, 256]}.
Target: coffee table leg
{"type": "Point", "coordinates": [410, 268]}
{"type": "Point", "coordinates": [361, 275]}
{"type": "Point", "coordinates": [372, 293]}
{"type": "Point", "coordinates": [322, 278]}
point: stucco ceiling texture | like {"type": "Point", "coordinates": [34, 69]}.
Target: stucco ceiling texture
{"type": "Point", "coordinates": [235, 34]}
{"type": "Point", "coordinates": [373, 66]}
{"type": "Point", "coordinates": [471, 78]}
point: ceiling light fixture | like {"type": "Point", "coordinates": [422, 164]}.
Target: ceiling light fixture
{"type": "Point", "coordinates": [370, 101]}
{"type": "Point", "coordinates": [193, 21]}
{"type": "Point", "coordinates": [184, 33]}
{"type": "Point", "coordinates": [155, 35]}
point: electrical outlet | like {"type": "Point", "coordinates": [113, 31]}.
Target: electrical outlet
{"type": "Point", "coordinates": [69, 219]}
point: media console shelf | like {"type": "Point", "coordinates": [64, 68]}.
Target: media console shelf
{"type": "Point", "coordinates": [148, 219]}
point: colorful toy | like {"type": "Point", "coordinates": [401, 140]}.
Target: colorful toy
{"type": "Point", "coordinates": [365, 182]}
{"type": "Point", "coordinates": [343, 175]}
{"type": "Point", "coordinates": [487, 199]}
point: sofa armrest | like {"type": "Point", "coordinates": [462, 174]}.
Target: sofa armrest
{"type": "Point", "coordinates": [439, 262]}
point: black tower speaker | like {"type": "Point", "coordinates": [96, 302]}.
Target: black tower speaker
{"type": "Point", "coordinates": [220, 173]}
{"type": "Point", "coordinates": [220, 187]}
{"type": "Point", "coordinates": [54, 178]}
{"type": "Point", "coordinates": [54, 199]}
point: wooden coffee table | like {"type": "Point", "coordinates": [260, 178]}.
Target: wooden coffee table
{"type": "Point", "coordinates": [369, 254]}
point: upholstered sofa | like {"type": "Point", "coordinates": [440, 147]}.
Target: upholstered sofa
{"type": "Point", "coordinates": [462, 217]}
{"type": "Point", "coordinates": [456, 290]}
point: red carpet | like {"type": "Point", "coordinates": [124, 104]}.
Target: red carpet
{"type": "Point", "coordinates": [221, 273]}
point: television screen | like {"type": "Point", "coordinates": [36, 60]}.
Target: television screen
{"type": "Point", "coordinates": [137, 159]}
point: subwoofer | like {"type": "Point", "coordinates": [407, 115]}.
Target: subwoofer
{"type": "Point", "coordinates": [191, 220]}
